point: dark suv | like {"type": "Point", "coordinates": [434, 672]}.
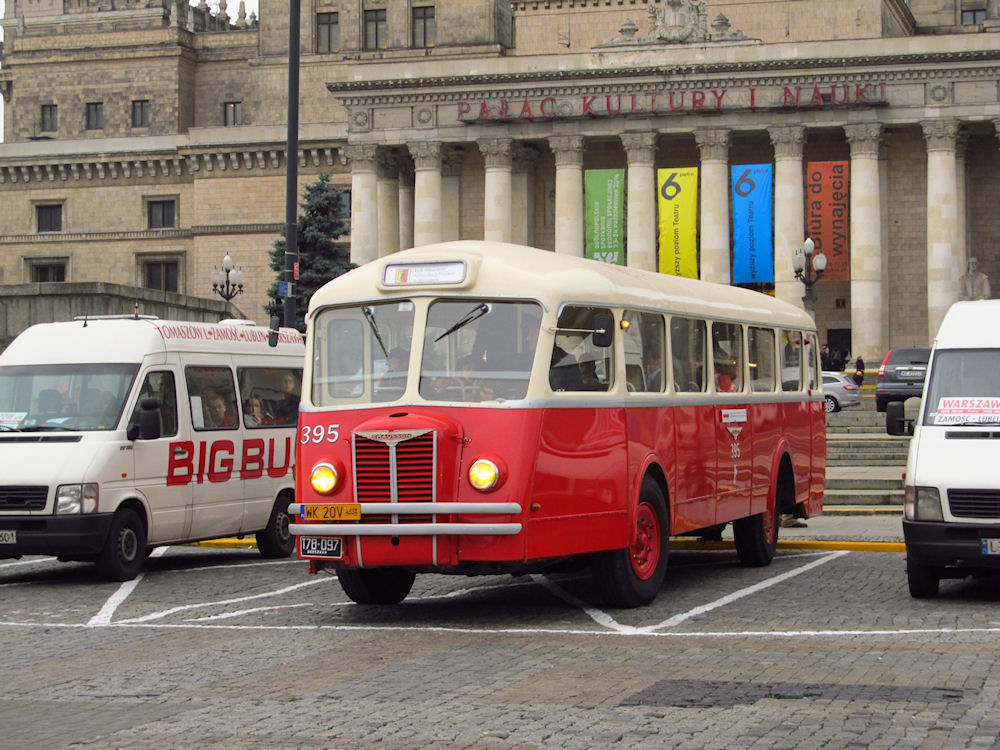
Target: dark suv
{"type": "Point", "coordinates": [901, 376]}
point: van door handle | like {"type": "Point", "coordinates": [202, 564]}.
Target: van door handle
{"type": "Point", "coordinates": [178, 452]}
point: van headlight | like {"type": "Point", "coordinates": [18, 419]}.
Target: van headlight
{"type": "Point", "coordinates": [76, 498]}
{"type": "Point", "coordinates": [922, 504]}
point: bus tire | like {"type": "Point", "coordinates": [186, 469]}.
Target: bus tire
{"type": "Point", "coordinates": [756, 538]}
{"type": "Point", "coordinates": [275, 540]}
{"type": "Point", "coordinates": [922, 580]}
{"type": "Point", "coordinates": [376, 585]}
{"type": "Point", "coordinates": [124, 552]}
{"type": "Point", "coordinates": [632, 577]}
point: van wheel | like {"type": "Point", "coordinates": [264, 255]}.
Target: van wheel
{"type": "Point", "coordinates": [923, 580]}
{"type": "Point", "coordinates": [756, 538]}
{"type": "Point", "coordinates": [632, 577]}
{"type": "Point", "coordinates": [276, 540]}
{"type": "Point", "coordinates": [376, 585]}
{"type": "Point", "coordinates": [124, 551]}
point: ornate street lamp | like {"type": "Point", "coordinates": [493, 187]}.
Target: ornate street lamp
{"type": "Point", "coordinates": [805, 265]}
{"type": "Point", "coordinates": [227, 283]}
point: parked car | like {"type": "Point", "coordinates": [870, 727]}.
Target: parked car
{"type": "Point", "coordinates": [840, 390]}
{"type": "Point", "coordinates": [901, 375]}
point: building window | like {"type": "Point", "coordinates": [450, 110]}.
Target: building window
{"type": "Point", "coordinates": [48, 271]}
{"type": "Point", "coordinates": [49, 218]}
{"type": "Point", "coordinates": [50, 117]}
{"type": "Point", "coordinates": [973, 17]}
{"type": "Point", "coordinates": [327, 32]}
{"type": "Point", "coordinates": [423, 26]}
{"type": "Point", "coordinates": [140, 113]}
{"type": "Point", "coordinates": [162, 275]}
{"type": "Point", "coordinates": [95, 115]}
{"type": "Point", "coordinates": [234, 113]}
{"type": "Point", "coordinates": [375, 29]}
{"type": "Point", "coordinates": [162, 214]}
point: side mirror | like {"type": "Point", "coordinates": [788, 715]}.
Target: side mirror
{"type": "Point", "coordinates": [896, 422]}
{"type": "Point", "coordinates": [148, 427]}
{"type": "Point", "coordinates": [272, 331]}
{"type": "Point", "coordinates": [604, 327]}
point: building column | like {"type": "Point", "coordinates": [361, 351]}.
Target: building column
{"type": "Point", "coordinates": [426, 192]}
{"type": "Point", "coordinates": [364, 201]}
{"type": "Point", "coordinates": [388, 203]}
{"type": "Point", "coordinates": [942, 220]}
{"type": "Point", "coordinates": [867, 338]}
{"type": "Point", "coordinates": [451, 193]}
{"type": "Point", "coordinates": [789, 209]}
{"type": "Point", "coordinates": [568, 150]}
{"type": "Point", "coordinates": [497, 209]}
{"type": "Point", "coordinates": [522, 202]}
{"type": "Point", "coordinates": [961, 195]}
{"type": "Point", "coordinates": [406, 181]}
{"type": "Point", "coordinates": [640, 217]}
{"type": "Point", "coordinates": [716, 264]}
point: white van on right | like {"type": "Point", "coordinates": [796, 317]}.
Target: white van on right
{"type": "Point", "coordinates": [951, 514]}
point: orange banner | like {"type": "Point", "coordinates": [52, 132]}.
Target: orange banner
{"type": "Point", "coordinates": [828, 218]}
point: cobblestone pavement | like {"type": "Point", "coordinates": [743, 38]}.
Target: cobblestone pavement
{"type": "Point", "coordinates": [216, 648]}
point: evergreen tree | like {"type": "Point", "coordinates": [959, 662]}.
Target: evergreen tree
{"type": "Point", "coordinates": [324, 218]}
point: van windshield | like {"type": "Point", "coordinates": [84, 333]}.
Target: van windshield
{"type": "Point", "coordinates": [963, 388]}
{"type": "Point", "coordinates": [59, 397]}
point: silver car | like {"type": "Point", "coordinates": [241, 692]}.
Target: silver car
{"type": "Point", "coordinates": [840, 390]}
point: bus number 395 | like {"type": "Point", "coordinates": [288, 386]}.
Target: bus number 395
{"type": "Point", "coordinates": [319, 434]}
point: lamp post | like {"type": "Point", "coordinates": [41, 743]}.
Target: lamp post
{"type": "Point", "coordinates": [805, 264]}
{"type": "Point", "coordinates": [227, 283]}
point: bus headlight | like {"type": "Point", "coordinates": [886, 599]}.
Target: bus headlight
{"type": "Point", "coordinates": [486, 474]}
{"type": "Point", "coordinates": [324, 478]}
{"type": "Point", "coordinates": [922, 504]}
{"type": "Point", "coordinates": [76, 498]}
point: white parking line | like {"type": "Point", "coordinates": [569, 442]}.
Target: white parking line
{"type": "Point", "coordinates": [108, 610]}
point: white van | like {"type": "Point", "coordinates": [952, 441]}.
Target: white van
{"type": "Point", "coordinates": [951, 521]}
{"type": "Point", "coordinates": [119, 434]}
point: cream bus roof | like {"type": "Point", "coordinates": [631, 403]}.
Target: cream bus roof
{"type": "Point", "coordinates": [499, 270]}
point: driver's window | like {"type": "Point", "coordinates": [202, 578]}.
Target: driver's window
{"type": "Point", "coordinates": [577, 363]}
{"type": "Point", "coordinates": [159, 384]}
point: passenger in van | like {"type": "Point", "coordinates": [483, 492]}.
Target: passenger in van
{"type": "Point", "coordinates": [286, 411]}
{"type": "Point", "coordinates": [218, 411]}
{"type": "Point", "coordinates": [254, 414]}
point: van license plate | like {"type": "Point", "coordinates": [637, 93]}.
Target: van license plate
{"type": "Point", "coordinates": [8, 536]}
{"type": "Point", "coordinates": [331, 512]}
{"type": "Point", "coordinates": [322, 546]}
{"type": "Point", "coordinates": [991, 546]}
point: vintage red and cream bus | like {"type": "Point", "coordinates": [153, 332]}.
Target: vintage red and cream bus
{"type": "Point", "coordinates": [477, 407]}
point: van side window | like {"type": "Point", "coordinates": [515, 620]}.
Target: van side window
{"type": "Point", "coordinates": [270, 395]}
{"type": "Point", "coordinates": [760, 356]}
{"type": "Point", "coordinates": [159, 384]}
{"type": "Point", "coordinates": [727, 357]}
{"type": "Point", "coordinates": [791, 370]}
{"type": "Point", "coordinates": [212, 396]}
{"type": "Point", "coordinates": [687, 354]}
{"type": "Point", "coordinates": [577, 363]}
{"type": "Point", "coordinates": [644, 347]}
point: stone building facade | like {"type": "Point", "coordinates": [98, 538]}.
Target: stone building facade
{"type": "Point", "coordinates": [145, 139]}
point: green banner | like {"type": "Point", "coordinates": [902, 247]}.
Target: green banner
{"type": "Point", "coordinates": [605, 198]}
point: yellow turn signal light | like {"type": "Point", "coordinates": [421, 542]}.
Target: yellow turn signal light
{"type": "Point", "coordinates": [484, 475]}
{"type": "Point", "coordinates": [324, 479]}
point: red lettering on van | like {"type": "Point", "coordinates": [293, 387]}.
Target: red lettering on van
{"type": "Point", "coordinates": [220, 462]}
{"type": "Point", "coordinates": [253, 459]}
{"type": "Point", "coordinates": [274, 471]}
{"type": "Point", "coordinates": [180, 467]}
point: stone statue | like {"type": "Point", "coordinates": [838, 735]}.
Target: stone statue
{"type": "Point", "coordinates": [975, 284]}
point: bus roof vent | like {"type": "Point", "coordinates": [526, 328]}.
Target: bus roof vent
{"type": "Point", "coordinates": [128, 316]}
{"type": "Point", "coordinates": [237, 322]}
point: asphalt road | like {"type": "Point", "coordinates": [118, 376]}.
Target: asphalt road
{"type": "Point", "coordinates": [219, 648]}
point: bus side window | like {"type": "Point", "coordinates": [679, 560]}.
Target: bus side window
{"type": "Point", "coordinates": [577, 363]}
{"type": "Point", "coordinates": [727, 352]}
{"type": "Point", "coordinates": [687, 354]}
{"type": "Point", "coordinates": [810, 359]}
{"type": "Point", "coordinates": [760, 355]}
{"type": "Point", "coordinates": [644, 346]}
{"type": "Point", "coordinates": [791, 367]}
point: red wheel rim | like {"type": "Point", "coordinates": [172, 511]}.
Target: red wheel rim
{"type": "Point", "coordinates": [645, 550]}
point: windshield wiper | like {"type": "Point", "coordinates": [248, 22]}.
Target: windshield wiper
{"type": "Point", "coordinates": [46, 428]}
{"type": "Point", "coordinates": [370, 317]}
{"type": "Point", "coordinates": [477, 312]}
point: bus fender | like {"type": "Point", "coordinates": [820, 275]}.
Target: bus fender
{"type": "Point", "coordinates": [649, 466]}
{"type": "Point", "coordinates": [781, 451]}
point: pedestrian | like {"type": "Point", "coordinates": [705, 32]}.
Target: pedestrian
{"type": "Point", "coordinates": [824, 357]}
{"type": "Point", "coordinates": [859, 371]}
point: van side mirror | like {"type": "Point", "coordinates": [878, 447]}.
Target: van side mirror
{"type": "Point", "coordinates": [148, 427]}
{"type": "Point", "coordinates": [604, 327]}
{"type": "Point", "coordinates": [272, 331]}
{"type": "Point", "coordinates": [896, 422]}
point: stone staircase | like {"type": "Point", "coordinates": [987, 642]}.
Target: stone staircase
{"type": "Point", "coordinates": [864, 465]}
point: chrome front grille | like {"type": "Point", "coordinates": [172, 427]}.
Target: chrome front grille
{"type": "Point", "coordinates": [23, 497]}
{"type": "Point", "coordinates": [395, 472]}
{"type": "Point", "coordinates": [974, 503]}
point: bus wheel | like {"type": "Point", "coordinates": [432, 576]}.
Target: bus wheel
{"type": "Point", "coordinates": [276, 540]}
{"type": "Point", "coordinates": [923, 580]}
{"type": "Point", "coordinates": [756, 538]}
{"type": "Point", "coordinates": [633, 576]}
{"type": "Point", "coordinates": [376, 585]}
{"type": "Point", "coordinates": [124, 551]}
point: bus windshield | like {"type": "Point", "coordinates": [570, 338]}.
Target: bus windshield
{"type": "Point", "coordinates": [963, 388]}
{"type": "Point", "coordinates": [76, 397]}
{"type": "Point", "coordinates": [472, 350]}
